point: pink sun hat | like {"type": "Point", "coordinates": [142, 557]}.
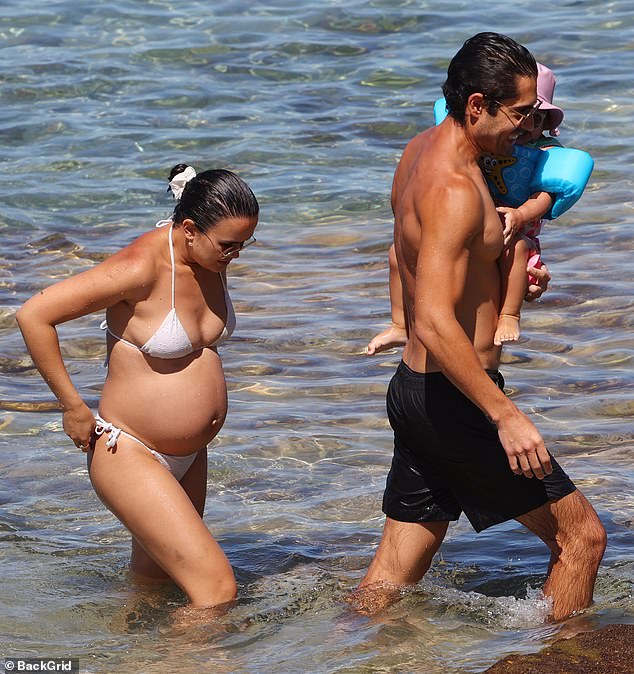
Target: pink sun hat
{"type": "Point", "coordinates": [545, 90]}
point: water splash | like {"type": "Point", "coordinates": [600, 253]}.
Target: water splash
{"type": "Point", "coordinates": [507, 612]}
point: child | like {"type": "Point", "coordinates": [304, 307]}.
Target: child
{"type": "Point", "coordinates": [524, 220]}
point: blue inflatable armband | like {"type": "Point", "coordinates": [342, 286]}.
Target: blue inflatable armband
{"type": "Point", "coordinates": [440, 110]}
{"type": "Point", "coordinates": [561, 171]}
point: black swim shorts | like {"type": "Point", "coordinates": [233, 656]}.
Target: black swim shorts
{"type": "Point", "coordinates": [448, 458]}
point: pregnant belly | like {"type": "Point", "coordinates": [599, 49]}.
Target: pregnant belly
{"type": "Point", "coordinates": [175, 411]}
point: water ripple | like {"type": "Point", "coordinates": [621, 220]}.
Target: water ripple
{"type": "Point", "coordinates": [312, 105]}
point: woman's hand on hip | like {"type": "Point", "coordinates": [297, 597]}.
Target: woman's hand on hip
{"type": "Point", "coordinates": [79, 425]}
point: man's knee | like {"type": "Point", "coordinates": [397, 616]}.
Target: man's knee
{"type": "Point", "coordinates": [593, 538]}
{"type": "Point", "coordinates": [585, 536]}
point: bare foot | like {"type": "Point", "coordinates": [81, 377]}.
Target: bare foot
{"type": "Point", "coordinates": [392, 336]}
{"type": "Point", "coordinates": [369, 600]}
{"type": "Point", "coordinates": [576, 624]}
{"type": "Point", "coordinates": [186, 617]}
{"type": "Point", "coordinates": [508, 329]}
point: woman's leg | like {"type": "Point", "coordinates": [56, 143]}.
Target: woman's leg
{"type": "Point", "coordinates": [194, 482]}
{"type": "Point", "coordinates": [164, 517]}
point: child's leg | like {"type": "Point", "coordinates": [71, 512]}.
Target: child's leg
{"type": "Point", "coordinates": [514, 284]}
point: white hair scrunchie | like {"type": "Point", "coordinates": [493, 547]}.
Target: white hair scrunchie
{"type": "Point", "coordinates": [178, 182]}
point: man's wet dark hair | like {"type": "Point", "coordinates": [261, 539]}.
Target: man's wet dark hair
{"type": "Point", "coordinates": [487, 63]}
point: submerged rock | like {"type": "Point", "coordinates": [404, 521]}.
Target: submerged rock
{"type": "Point", "coordinates": [609, 650]}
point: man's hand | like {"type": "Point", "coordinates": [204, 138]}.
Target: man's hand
{"type": "Point", "coordinates": [537, 290]}
{"type": "Point", "coordinates": [524, 446]}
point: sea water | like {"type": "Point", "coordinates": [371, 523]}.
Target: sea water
{"type": "Point", "coordinates": [312, 103]}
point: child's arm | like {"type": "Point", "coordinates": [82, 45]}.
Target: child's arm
{"type": "Point", "coordinates": [396, 334]}
{"type": "Point", "coordinates": [533, 208]}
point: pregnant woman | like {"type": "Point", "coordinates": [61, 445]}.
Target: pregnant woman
{"type": "Point", "coordinates": [164, 398]}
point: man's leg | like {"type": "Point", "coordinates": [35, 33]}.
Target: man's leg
{"type": "Point", "coordinates": [404, 554]}
{"type": "Point", "coordinates": [572, 530]}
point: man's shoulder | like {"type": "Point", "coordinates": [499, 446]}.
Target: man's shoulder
{"type": "Point", "coordinates": [419, 143]}
{"type": "Point", "coordinates": [453, 196]}
{"type": "Point", "coordinates": [442, 178]}
{"type": "Point", "coordinates": [436, 158]}
{"type": "Point", "coordinates": [434, 176]}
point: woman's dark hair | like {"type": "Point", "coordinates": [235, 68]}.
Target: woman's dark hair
{"type": "Point", "coordinates": [487, 63]}
{"type": "Point", "coordinates": [212, 196]}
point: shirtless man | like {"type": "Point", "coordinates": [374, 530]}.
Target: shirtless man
{"type": "Point", "coordinates": [460, 445]}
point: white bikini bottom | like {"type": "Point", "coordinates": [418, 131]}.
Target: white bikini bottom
{"type": "Point", "coordinates": [177, 465]}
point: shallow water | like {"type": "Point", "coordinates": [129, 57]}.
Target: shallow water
{"type": "Point", "coordinates": [312, 105]}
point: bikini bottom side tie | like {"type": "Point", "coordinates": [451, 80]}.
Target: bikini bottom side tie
{"type": "Point", "coordinates": [177, 465]}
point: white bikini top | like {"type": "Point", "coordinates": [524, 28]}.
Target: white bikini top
{"type": "Point", "coordinates": [170, 339]}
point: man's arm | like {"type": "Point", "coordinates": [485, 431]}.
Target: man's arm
{"type": "Point", "coordinates": [452, 223]}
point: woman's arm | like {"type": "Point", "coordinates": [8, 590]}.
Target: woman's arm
{"type": "Point", "coordinates": [114, 280]}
